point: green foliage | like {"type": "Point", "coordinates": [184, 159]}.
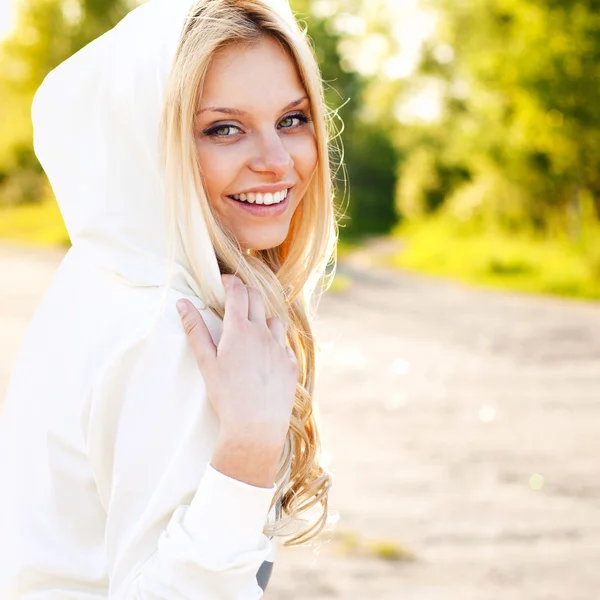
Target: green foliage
{"type": "Point", "coordinates": [350, 543]}
{"type": "Point", "coordinates": [48, 31]}
{"type": "Point", "coordinates": [490, 256]}
{"type": "Point", "coordinates": [371, 159]}
{"type": "Point", "coordinates": [366, 189]}
{"type": "Point", "coordinates": [36, 224]}
{"type": "Point", "coordinates": [519, 138]}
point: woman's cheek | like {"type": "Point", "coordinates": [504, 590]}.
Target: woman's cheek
{"type": "Point", "coordinates": [219, 166]}
{"type": "Point", "coordinates": [303, 150]}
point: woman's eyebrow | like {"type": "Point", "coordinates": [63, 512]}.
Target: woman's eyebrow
{"type": "Point", "coordinates": [236, 111]}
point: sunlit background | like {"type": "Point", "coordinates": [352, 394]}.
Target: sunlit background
{"type": "Point", "coordinates": [471, 134]}
{"type": "Point", "coordinates": [459, 346]}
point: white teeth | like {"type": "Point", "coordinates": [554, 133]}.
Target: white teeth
{"type": "Point", "coordinates": [258, 198]}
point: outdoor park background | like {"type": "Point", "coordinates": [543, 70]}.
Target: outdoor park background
{"type": "Point", "coordinates": [471, 129]}
{"type": "Point", "coordinates": [461, 412]}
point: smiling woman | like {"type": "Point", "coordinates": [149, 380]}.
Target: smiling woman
{"type": "Point", "coordinates": [245, 122]}
{"type": "Point", "coordinates": [257, 166]}
{"type": "Point", "coordinates": [170, 453]}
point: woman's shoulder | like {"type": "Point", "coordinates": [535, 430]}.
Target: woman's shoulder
{"type": "Point", "coordinates": [151, 375]}
{"type": "Point", "coordinates": [152, 331]}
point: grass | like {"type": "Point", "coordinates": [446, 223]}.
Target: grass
{"type": "Point", "coordinates": [34, 224]}
{"type": "Point", "coordinates": [501, 260]}
{"type": "Point", "coordinates": [340, 283]}
{"type": "Point", "coordinates": [345, 246]}
{"type": "Point", "coordinates": [350, 543]}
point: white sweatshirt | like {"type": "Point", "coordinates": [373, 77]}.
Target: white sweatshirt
{"type": "Point", "coordinates": [104, 454]}
{"type": "Point", "coordinates": [107, 433]}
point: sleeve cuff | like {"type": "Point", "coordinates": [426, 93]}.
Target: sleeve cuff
{"type": "Point", "coordinates": [228, 514]}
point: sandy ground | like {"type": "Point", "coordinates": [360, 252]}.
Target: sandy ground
{"type": "Point", "coordinates": [462, 427]}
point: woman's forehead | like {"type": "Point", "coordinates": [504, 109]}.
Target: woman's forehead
{"type": "Point", "coordinates": [245, 77]}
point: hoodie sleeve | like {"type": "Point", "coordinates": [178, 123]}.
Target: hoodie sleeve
{"type": "Point", "coordinates": [176, 528]}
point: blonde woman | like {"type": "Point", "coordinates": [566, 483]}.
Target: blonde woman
{"type": "Point", "coordinates": [147, 454]}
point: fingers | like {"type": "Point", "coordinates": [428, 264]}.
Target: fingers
{"type": "Point", "coordinates": [197, 332]}
{"type": "Point", "coordinates": [236, 299]}
{"type": "Point", "coordinates": [252, 300]}
{"type": "Point", "coordinates": [256, 306]}
{"type": "Point", "coordinates": [277, 329]}
{"type": "Point", "coordinates": [255, 311]}
{"type": "Point", "coordinates": [241, 302]}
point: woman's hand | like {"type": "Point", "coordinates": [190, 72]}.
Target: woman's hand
{"type": "Point", "coordinates": [251, 376]}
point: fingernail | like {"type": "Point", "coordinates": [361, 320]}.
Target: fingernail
{"type": "Point", "coordinates": [182, 307]}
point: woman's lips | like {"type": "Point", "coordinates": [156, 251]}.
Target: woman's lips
{"type": "Point", "coordinates": [264, 210]}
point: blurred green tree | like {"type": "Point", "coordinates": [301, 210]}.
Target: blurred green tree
{"type": "Point", "coordinates": [518, 141]}
{"type": "Point", "coordinates": [366, 185]}
{"type": "Point", "coordinates": [26, 56]}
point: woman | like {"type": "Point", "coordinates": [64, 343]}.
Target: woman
{"type": "Point", "coordinates": [144, 454]}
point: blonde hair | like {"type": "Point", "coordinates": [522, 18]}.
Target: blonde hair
{"type": "Point", "coordinates": [288, 275]}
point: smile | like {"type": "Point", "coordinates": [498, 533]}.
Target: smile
{"type": "Point", "coordinates": [262, 205]}
{"type": "Point", "coordinates": [258, 198]}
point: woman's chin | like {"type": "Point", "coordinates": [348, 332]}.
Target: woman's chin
{"type": "Point", "coordinates": [263, 242]}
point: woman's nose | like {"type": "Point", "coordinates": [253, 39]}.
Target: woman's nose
{"type": "Point", "coordinates": [272, 156]}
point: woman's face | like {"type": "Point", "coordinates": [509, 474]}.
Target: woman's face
{"type": "Point", "coordinates": [255, 141]}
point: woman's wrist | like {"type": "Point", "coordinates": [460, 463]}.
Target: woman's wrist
{"type": "Point", "coordinates": [252, 459]}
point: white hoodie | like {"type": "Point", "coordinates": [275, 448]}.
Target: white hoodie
{"type": "Point", "coordinates": [107, 433]}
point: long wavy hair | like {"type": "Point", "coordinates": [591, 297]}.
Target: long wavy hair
{"type": "Point", "coordinates": [292, 276]}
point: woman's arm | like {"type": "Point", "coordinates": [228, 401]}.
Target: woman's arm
{"type": "Point", "coordinates": [184, 440]}
{"type": "Point", "coordinates": [176, 527]}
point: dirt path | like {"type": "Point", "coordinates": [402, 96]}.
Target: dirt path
{"type": "Point", "coordinates": [463, 427]}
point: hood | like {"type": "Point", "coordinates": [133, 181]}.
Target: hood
{"type": "Point", "coordinates": [95, 120]}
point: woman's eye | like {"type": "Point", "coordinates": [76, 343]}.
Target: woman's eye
{"type": "Point", "coordinates": [226, 130]}
{"type": "Point", "coordinates": [220, 130]}
{"type": "Point", "coordinates": [297, 117]}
